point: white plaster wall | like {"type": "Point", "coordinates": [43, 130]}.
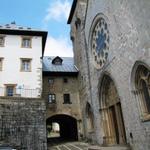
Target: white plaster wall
{"type": "Point", "coordinates": [12, 52]}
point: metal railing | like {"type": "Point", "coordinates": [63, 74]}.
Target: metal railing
{"type": "Point", "coordinates": [20, 92]}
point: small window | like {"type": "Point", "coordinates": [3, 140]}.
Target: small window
{"type": "Point", "coordinates": [10, 90]}
{"type": "Point", "coordinates": [1, 64]}
{"type": "Point", "coordinates": [26, 42]}
{"type": "Point", "coordinates": [51, 98]}
{"type": "Point", "coordinates": [57, 61]}
{"type": "Point", "coordinates": [67, 99]}
{"type": "Point", "coordinates": [2, 41]}
{"type": "Point", "coordinates": [65, 80]}
{"type": "Point", "coordinates": [51, 81]}
{"type": "Point", "coordinates": [25, 64]}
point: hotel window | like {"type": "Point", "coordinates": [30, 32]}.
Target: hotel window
{"type": "Point", "coordinates": [26, 42]}
{"type": "Point", "coordinates": [67, 99]}
{"type": "Point", "coordinates": [1, 64]}
{"type": "Point", "coordinates": [51, 98]}
{"type": "Point", "coordinates": [2, 41]}
{"type": "Point", "coordinates": [10, 90]}
{"type": "Point", "coordinates": [26, 64]}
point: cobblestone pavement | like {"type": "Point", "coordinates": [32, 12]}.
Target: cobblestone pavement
{"type": "Point", "coordinates": [68, 146]}
{"type": "Point", "coordinates": [56, 144]}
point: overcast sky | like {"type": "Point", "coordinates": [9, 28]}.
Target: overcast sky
{"type": "Point", "coordinates": [49, 15]}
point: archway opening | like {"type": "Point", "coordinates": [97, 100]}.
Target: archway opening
{"type": "Point", "coordinates": [111, 112]}
{"type": "Point", "coordinates": [62, 128]}
{"type": "Point", "coordinates": [53, 130]}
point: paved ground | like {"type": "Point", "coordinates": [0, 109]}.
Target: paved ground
{"type": "Point", "coordinates": [59, 144]}
{"type": "Point", "coordinates": [68, 146]}
{"type": "Point", "coordinates": [83, 146]}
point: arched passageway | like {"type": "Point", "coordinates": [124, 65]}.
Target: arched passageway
{"type": "Point", "coordinates": [111, 112]}
{"type": "Point", "coordinates": [67, 126]}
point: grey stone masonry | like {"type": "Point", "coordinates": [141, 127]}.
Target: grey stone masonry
{"type": "Point", "coordinates": [22, 123]}
{"type": "Point", "coordinates": [129, 35]}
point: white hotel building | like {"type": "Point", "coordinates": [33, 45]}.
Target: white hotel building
{"type": "Point", "coordinates": [21, 52]}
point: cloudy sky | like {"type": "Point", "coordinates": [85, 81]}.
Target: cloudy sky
{"type": "Point", "coordinates": [49, 15]}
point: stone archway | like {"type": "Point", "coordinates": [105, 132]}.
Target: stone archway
{"type": "Point", "coordinates": [111, 111]}
{"type": "Point", "coordinates": [67, 124]}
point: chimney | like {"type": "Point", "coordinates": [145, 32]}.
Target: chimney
{"type": "Point", "coordinates": [13, 22]}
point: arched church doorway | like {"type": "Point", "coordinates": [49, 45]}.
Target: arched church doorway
{"type": "Point", "coordinates": [65, 128]}
{"type": "Point", "coordinates": [111, 112]}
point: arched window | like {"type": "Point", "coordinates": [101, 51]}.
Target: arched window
{"type": "Point", "coordinates": [146, 95]}
{"type": "Point", "coordinates": [142, 85]}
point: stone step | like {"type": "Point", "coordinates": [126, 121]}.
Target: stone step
{"type": "Point", "coordinates": [109, 148]}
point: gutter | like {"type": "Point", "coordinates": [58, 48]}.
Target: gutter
{"type": "Point", "coordinates": [74, 4]}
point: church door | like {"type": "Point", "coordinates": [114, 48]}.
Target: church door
{"type": "Point", "coordinates": [111, 111]}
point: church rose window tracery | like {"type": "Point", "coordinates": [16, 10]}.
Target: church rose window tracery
{"type": "Point", "coordinates": [100, 42]}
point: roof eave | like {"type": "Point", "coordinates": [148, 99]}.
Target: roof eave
{"type": "Point", "coordinates": [74, 4]}
{"type": "Point", "coordinates": [58, 73]}
{"type": "Point", "coordinates": [27, 32]}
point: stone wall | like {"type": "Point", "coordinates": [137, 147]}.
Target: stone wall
{"type": "Point", "coordinates": [59, 88]}
{"type": "Point", "coordinates": [129, 43]}
{"type": "Point", "coordinates": [22, 123]}
{"type": "Point", "coordinates": [81, 60]}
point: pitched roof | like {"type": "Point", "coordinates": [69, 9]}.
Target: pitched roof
{"type": "Point", "coordinates": [74, 4]}
{"type": "Point", "coordinates": [13, 29]}
{"type": "Point", "coordinates": [14, 26]}
{"type": "Point", "coordinates": [67, 65]}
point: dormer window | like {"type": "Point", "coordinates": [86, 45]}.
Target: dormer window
{"type": "Point", "coordinates": [57, 61]}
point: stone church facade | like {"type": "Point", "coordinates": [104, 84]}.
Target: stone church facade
{"type": "Point", "coordinates": [111, 48]}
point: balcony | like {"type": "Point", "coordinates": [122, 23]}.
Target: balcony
{"type": "Point", "coordinates": [19, 92]}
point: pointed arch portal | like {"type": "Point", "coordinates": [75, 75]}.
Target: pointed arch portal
{"type": "Point", "coordinates": [111, 111]}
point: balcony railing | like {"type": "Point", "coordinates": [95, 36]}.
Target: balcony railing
{"type": "Point", "coordinates": [19, 92]}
